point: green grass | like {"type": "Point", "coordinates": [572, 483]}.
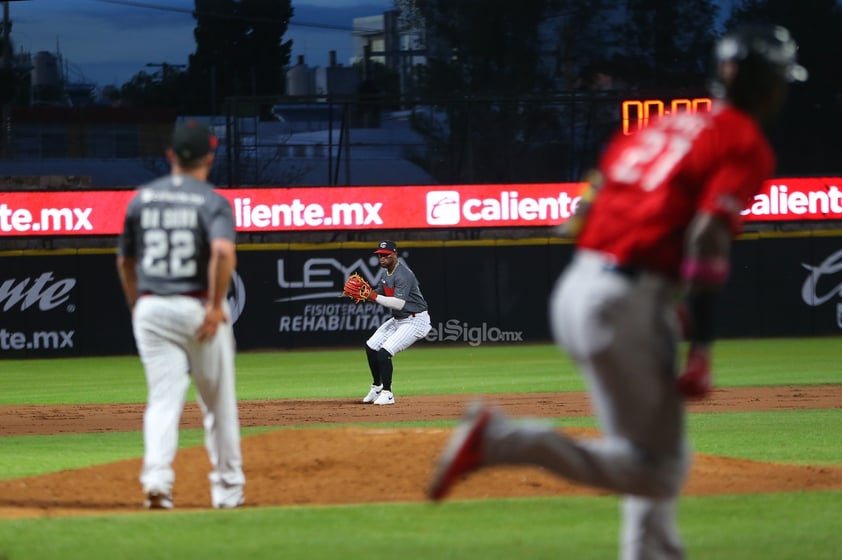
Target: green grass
{"type": "Point", "coordinates": [764, 526]}
{"type": "Point", "coordinates": [808, 437]}
{"type": "Point", "coordinates": [32, 455]}
{"type": "Point", "coordinates": [759, 527]}
{"type": "Point", "coordinates": [778, 361]}
{"type": "Point", "coordinates": [301, 374]}
{"type": "Point", "coordinates": [422, 370]}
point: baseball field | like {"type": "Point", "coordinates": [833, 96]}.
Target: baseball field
{"type": "Point", "coordinates": [331, 478]}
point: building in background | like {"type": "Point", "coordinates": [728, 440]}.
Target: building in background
{"type": "Point", "coordinates": [396, 42]}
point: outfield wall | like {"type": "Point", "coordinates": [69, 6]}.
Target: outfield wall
{"type": "Point", "coordinates": [68, 302]}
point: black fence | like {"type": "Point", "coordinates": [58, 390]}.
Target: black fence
{"type": "Point", "coordinates": [68, 303]}
{"type": "Point", "coordinates": [382, 140]}
{"type": "Point", "coordinates": [323, 140]}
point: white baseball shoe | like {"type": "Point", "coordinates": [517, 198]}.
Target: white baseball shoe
{"type": "Point", "coordinates": [386, 397]}
{"type": "Point", "coordinates": [157, 499]}
{"type": "Point", "coordinates": [225, 497]}
{"type": "Point", "coordinates": [373, 393]}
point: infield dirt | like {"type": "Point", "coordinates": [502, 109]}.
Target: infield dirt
{"type": "Point", "coordinates": [324, 456]}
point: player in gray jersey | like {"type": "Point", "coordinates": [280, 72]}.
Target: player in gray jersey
{"type": "Point", "coordinates": [397, 290]}
{"type": "Point", "coordinates": [176, 256]}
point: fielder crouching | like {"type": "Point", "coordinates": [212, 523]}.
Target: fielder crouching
{"type": "Point", "coordinates": [398, 291]}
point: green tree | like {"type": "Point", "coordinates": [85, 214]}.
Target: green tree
{"type": "Point", "coordinates": [672, 38]}
{"type": "Point", "coordinates": [533, 88]}
{"type": "Point", "coordinates": [485, 47]}
{"type": "Point", "coordinates": [240, 50]}
{"type": "Point", "coordinates": [483, 58]}
{"type": "Point", "coordinates": [166, 87]}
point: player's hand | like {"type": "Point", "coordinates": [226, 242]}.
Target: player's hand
{"type": "Point", "coordinates": [213, 317]}
{"type": "Point", "coordinates": [696, 380]}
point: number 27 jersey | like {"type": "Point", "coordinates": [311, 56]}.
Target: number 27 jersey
{"type": "Point", "coordinates": [657, 179]}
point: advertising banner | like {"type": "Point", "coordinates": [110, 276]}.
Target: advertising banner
{"type": "Point", "coordinates": [48, 213]}
{"type": "Point", "coordinates": [62, 304]}
{"type": "Point", "coordinates": [69, 303]}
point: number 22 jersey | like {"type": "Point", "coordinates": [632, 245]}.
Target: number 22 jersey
{"type": "Point", "coordinates": [169, 226]}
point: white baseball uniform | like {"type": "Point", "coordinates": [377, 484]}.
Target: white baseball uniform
{"type": "Point", "coordinates": [408, 324]}
{"type": "Point", "coordinates": [169, 227]}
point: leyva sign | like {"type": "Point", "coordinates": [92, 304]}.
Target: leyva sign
{"type": "Point", "coordinates": [395, 207]}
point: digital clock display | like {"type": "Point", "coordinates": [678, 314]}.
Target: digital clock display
{"type": "Point", "coordinates": [637, 114]}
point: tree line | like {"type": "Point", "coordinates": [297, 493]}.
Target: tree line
{"type": "Point", "coordinates": [524, 89]}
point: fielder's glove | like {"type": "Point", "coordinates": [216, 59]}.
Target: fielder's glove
{"type": "Point", "coordinates": [357, 288]}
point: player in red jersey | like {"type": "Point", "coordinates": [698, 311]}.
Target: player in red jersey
{"type": "Point", "coordinates": [657, 221]}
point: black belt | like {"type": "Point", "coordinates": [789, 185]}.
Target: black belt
{"type": "Point", "coordinates": [198, 294]}
{"type": "Point", "coordinates": [627, 271]}
{"type": "Point", "coordinates": [412, 315]}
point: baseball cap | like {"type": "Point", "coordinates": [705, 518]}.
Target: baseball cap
{"type": "Point", "coordinates": [386, 247]}
{"type": "Point", "coordinates": [192, 140]}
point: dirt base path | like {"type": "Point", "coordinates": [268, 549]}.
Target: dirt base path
{"type": "Point", "coordinates": [330, 465]}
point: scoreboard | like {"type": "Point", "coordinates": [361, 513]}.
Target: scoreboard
{"type": "Point", "coordinates": [637, 114]}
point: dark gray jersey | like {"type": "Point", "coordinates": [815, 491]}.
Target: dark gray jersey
{"type": "Point", "coordinates": [402, 284]}
{"type": "Point", "coordinates": [169, 226]}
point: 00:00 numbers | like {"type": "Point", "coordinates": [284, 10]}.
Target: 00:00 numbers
{"type": "Point", "coordinates": [637, 114]}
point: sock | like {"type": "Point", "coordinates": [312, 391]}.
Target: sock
{"type": "Point", "coordinates": [373, 365]}
{"type": "Point", "coordinates": [384, 362]}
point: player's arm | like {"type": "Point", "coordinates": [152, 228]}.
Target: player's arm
{"type": "Point", "coordinates": [708, 247]}
{"type": "Point", "coordinates": [387, 301]}
{"type": "Point", "coordinates": [591, 184]}
{"type": "Point", "coordinates": [127, 271]}
{"type": "Point", "coordinates": [127, 258]}
{"type": "Point", "coordinates": [704, 271]}
{"type": "Point", "coordinates": [390, 302]}
{"type": "Point", "coordinates": [221, 265]}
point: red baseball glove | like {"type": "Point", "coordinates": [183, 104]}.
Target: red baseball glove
{"type": "Point", "coordinates": [357, 288]}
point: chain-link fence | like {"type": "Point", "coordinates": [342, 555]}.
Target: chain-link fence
{"type": "Point", "coordinates": [311, 141]}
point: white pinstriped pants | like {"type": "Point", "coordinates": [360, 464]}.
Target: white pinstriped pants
{"type": "Point", "coordinates": [395, 335]}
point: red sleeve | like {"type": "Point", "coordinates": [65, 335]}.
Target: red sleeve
{"type": "Point", "coordinates": [732, 184]}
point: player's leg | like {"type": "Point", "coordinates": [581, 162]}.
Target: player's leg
{"type": "Point", "coordinates": [649, 529]}
{"type": "Point", "coordinates": [622, 333]}
{"type": "Point", "coordinates": [166, 369]}
{"type": "Point", "coordinates": [406, 333]}
{"type": "Point", "coordinates": [632, 388]}
{"type": "Point", "coordinates": [619, 332]}
{"type": "Point", "coordinates": [212, 366]}
{"type": "Point", "coordinates": [373, 366]}
{"type": "Point", "coordinates": [372, 352]}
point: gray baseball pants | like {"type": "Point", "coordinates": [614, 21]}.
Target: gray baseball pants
{"type": "Point", "coordinates": [622, 331]}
